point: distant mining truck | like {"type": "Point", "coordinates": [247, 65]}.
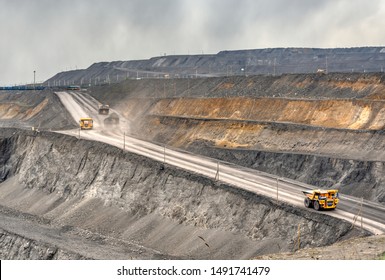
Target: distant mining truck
{"type": "Point", "coordinates": [321, 199]}
{"type": "Point", "coordinates": [86, 123]}
{"type": "Point", "coordinates": [104, 109]}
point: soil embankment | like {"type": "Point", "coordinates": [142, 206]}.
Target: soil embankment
{"type": "Point", "coordinates": [77, 190]}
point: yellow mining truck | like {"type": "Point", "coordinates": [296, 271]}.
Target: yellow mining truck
{"type": "Point", "coordinates": [321, 199]}
{"type": "Point", "coordinates": [86, 123]}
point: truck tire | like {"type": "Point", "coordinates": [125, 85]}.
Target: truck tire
{"type": "Point", "coordinates": [307, 202]}
{"type": "Point", "coordinates": [316, 205]}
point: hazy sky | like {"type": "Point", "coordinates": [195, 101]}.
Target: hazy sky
{"type": "Point", "coordinates": [49, 36]}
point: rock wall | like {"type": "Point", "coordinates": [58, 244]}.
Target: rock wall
{"type": "Point", "coordinates": [99, 188]}
{"type": "Point", "coordinates": [357, 178]}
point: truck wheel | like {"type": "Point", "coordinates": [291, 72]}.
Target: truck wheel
{"type": "Point", "coordinates": [307, 202]}
{"type": "Point", "coordinates": [316, 205]}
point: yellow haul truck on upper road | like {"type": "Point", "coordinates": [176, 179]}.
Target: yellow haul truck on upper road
{"type": "Point", "coordinates": [321, 199]}
{"type": "Point", "coordinates": [86, 123]}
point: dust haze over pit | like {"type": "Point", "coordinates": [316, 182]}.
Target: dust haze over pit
{"type": "Point", "coordinates": [53, 36]}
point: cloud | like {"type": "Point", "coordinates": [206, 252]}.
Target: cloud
{"type": "Point", "coordinates": [52, 36]}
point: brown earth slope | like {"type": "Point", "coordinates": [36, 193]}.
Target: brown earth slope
{"type": "Point", "coordinates": [40, 109]}
{"type": "Point", "coordinates": [342, 114]}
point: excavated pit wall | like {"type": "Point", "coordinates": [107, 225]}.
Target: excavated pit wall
{"type": "Point", "coordinates": [362, 179]}
{"type": "Point", "coordinates": [352, 161]}
{"type": "Point", "coordinates": [101, 189]}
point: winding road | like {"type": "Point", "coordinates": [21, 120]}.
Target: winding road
{"type": "Point", "coordinates": [361, 213]}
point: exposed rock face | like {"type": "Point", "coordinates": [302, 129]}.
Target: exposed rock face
{"type": "Point", "coordinates": [98, 189]}
{"type": "Point", "coordinates": [353, 177]}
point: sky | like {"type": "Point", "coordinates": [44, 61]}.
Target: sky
{"type": "Point", "coordinates": [39, 38]}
